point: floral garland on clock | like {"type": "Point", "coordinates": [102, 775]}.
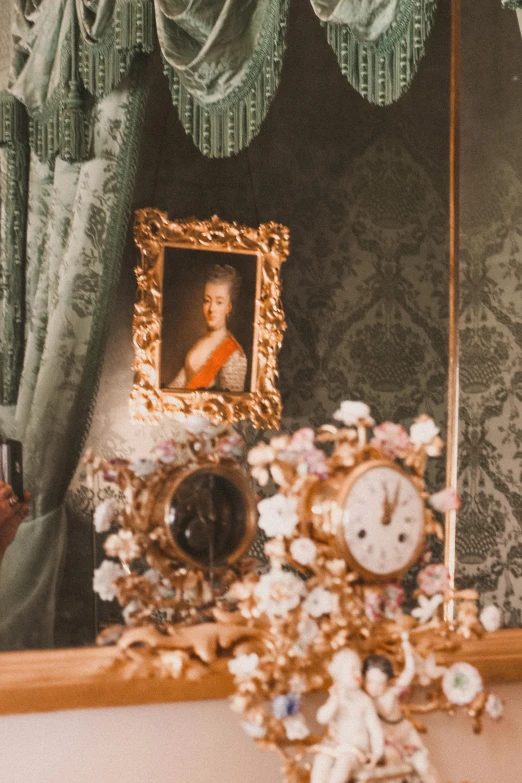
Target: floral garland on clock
{"type": "Point", "coordinates": [177, 618]}
{"type": "Point", "coordinates": [310, 605]}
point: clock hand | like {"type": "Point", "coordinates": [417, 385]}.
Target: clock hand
{"type": "Point", "coordinates": [386, 508]}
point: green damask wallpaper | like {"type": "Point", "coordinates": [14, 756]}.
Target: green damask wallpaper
{"type": "Point", "coordinates": [364, 193]}
{"type": "Point", "coordinates": [489, 541]}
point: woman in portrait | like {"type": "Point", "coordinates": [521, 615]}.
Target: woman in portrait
{"type": "Point", "coordinates": [216, 361]}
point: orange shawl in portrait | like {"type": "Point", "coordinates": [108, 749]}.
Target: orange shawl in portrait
{"type": "Point", "coordinates": [206, 375]}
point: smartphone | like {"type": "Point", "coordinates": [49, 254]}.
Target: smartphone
{"type": "Point", "coordinates": [11, 466]}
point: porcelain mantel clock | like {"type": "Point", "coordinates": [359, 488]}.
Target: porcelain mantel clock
{"type": "Point", "coordinates": [382, 522]}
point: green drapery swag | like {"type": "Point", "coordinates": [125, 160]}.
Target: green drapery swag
{"type": "Point", "coordinates": [59, 270]}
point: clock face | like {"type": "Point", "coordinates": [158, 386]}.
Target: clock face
{"type": "Point", "coordinates": [209, 517]}
{"type": "Point", "coordinates": [382, 520]}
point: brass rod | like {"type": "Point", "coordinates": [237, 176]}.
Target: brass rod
{"type": "Point", "coordinates": [453, 337]}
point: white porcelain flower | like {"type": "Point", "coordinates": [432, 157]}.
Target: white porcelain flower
{"type": "Point", "coordinates": [427, 669]}
{"type": "Point", "coordinates": [104, 515]}
{"type": "Point", "coordinates": [351, 413]}
{"type": "Point", "coordinates": [243, 665]}
{"type": "Point", "coordinates": [494, 706]}
{"type": "Point", "coordinates": [153, 576]}
{"type": "Point", "coordinates": [491, 618]}
{"type": "Point", "coordinates": [445, 500]}
{"type": "Point", "coordinates": [278, 515]}
{"type": "Point", "coordinates": [461, 683]}
{"type": "Point", "coordinates": [103, 579]}
{"type": "Point", "coordinates": [427, 608]}
{"type": "Point", "coordinates": [254, 730]}
{"type": "Point", "coordinates": [123, 545]}
{"type": "Point", "coordinates": [423, 431]}
{"type": "Point", "coordinates": [319, 601]}
{"type": "Point", "coordinates": [296, 728]}
{"type": "Point", "coordinates": [308, 630]}
{"type": "Point", "coordinates": [143, 467]}
{"type": "Point", "coordinates": [129, 610]}
{"type": "Point", "coordinates": [262, 454]}
{"type": "Point", "coordinates": [278, 592]}
{"type": "Point", "coordinates": [303, 550]}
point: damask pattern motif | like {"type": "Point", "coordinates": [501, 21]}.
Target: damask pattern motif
{"type": "Point", "coordinates": [490, 454]}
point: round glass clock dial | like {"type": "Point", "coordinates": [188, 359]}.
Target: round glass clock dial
{"type": "Point", "coordinates": [210, 516]}
{"type": "Point", "coordinates": [382, 521]}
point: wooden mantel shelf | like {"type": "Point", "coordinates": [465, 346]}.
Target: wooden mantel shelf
{"type": "Point", "coordinates": [43, 681]}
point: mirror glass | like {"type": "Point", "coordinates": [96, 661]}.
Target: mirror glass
{"type": "Point", "coordinates": [364, 192]}
{"type": "Point", "coordinates": [489, 553]}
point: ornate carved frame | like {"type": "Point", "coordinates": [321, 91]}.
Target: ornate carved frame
{"type": "Point", "coordinates": [269, 245]}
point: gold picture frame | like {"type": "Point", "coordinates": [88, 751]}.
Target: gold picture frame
{"type": "Point", "coordinates": [268, 245]}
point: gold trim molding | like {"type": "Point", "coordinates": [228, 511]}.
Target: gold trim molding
{"type": "Point", "coordinates": [50, 680]}
{"type": "Point", "coordinates": [269, 244]}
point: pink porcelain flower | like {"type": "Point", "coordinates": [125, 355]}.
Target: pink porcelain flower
{"type": "Point", "coordinates": [445, 500]}
{"type": "Point", "coordinates": [302, 439]}
{"type": "Point", "coordinates": [392, 439]}
{"type": "Point", "coordinates": [393, 600]}
{"type": "Point", "coordinates": [373, 605]}
{"type": "Point", "coordinates": [433, 579]}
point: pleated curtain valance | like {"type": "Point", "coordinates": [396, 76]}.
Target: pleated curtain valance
{"type": "Point", "coordinates": [223, 60]}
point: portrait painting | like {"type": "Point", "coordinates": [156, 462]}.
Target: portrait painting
{"type": "Point", "coordinates": [208, 319]}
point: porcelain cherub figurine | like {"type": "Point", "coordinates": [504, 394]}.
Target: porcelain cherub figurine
{"type": "Point", "coordinates": [355, 736]}
{"type": "Point", "coordinates": [402, 741]}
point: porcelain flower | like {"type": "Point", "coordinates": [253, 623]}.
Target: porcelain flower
{"type": "Point", "coordinates": [352, 413]}
{"type": "Point", "coordinates": [129, 611]}
{"type": "Point", "coordinates": [494, 706]}
{"type": "Point", "coordinates": [166, 451]}
{"type": "Point", "coordinates": [433, 579]}
{"type": "Point", "coordinates": [103, 579]}
{"type": "Point", "coordinates": [461, 683]}
{"type": "Point", "coordinates": [393, 600]}
{"type": "Point", "coordinates": [319, 601]}
{"type": "Point", "coordinates": [491, 617]}
{"type": "Point", "coordinates": [253, 730]}
{"type": "Point", "coordinates": [278, 515]}
{"type": "Point", "coordinates": [153, 576]}
{"type": "Point", "coordinates": [110, 474]}
{"type": "Point", "coordinates": [286, 705]}
{"type": "Point", "coordinates": [303, 550]}
{"type": "Point", "coordinates": [423, 431]}
{"type": "Point", "coordinates": [143, 467]}
{"type": "Point", "coordinates": [445, 500]}
{"type": "Point", "coordinates": [275, 550]}
{"type": "Point", "coordinates": [230, 447]}
{"type": "Point", "coordinates": [426, 608]}
{"type": "Point", "coordinates": [123, 545]}
{"type": "Point", "coordinates": [278, 592]}
{"type": "Point", "coordinates": [373, 605]}
{"type": "Point", "coordinates": [302, 439]}
{"type": "Point", "coordinates": [258, 458]}
{"type": "Point", "coordinates": [392, 439]}
{"type": "Point", "coordinates": [104, 515]}
{"type": "Point", "coordinates": [243, 665]}
{"type": "Point", "coordinates": [198, 425]}
{"type": "Point", "coordinates": [296, 728]}
{"type": "Point", "coordinates": [427, 669]}
{"type": "Point", "coordinates": [308, 630]}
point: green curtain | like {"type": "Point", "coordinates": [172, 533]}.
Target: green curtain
{"type": "Point", "coordinates": [223, 61]}
{"type": "Point", "coordinates": [77, 218]}
{"type": "Point", "coordinates": [378, 43]}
